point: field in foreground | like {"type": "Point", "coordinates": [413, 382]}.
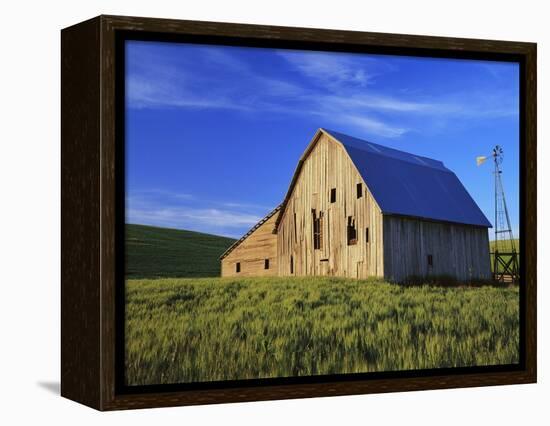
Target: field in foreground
{"type": "Point", "coordinates": [188, 330]}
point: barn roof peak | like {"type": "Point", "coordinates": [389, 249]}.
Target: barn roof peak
{"type": "Point", "coordinates": [376, 149]}
{"type": "Point", "coordinates": [411, 185]}
{"type": "Point", "coordinates": [403, 183]}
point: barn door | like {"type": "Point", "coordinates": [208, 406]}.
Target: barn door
{"type": "Point", "coordinates": [358, 269]}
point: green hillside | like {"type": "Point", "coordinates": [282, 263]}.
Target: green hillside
{"type": "Point", "coordinates": [507, 246]}
{"type": "Point", "coordinates": [165, 253]}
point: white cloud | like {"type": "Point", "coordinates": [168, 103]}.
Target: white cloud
{"type": "Point", "coordinates": [158, 93]}
{"type": "Point", "coordinates": [385, 103]}
{"type": "Point", "coordinates": [331, 69]}
{"type": "Point", "coordinates": [338, 89]}
{"type": "Point", "coordinates": [190, 218]}
{"type": "Point", "coordinates": [185, 211]}
{"type": "Point", "coordinates": [372, 126]}
{"type": "Point", "coordinates": [208, 220]}
{"type": "Point", "coordinates": [247, 206]}
{"type": "Point", "coordinates": [154, 192]}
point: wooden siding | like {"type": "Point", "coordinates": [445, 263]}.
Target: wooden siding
{"type": "Point", "coordinates": [252, 253]}
{"type": "Point", "coordinates": [460, 251]}
{"type": "Point", "coordinates": [329, 166]}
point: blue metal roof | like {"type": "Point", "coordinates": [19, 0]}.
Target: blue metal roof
{"type": "Point", "coordinates": [411, 185]}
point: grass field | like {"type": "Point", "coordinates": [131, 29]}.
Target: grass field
{"type": "Point", "coordinates": [507, 247]}
{"type": "Point", "coordinates": [188, 330]}
{"type": "Point", "coordinates": [160, 252]}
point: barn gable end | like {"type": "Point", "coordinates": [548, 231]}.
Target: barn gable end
{"type": "Point", "coordinates": [329, 223]}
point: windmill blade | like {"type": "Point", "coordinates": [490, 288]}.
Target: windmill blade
{"type": "Point", "coordinates": [481, 160]}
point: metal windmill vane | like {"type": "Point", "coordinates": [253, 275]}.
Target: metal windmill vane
{"type": "Point", "coordinates": [505, 256]}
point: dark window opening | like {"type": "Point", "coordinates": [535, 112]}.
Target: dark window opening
{"type": "Point", "coordinates": [359, 190]}
{"type": "Point", "coordinates": [238, 267]}
{"type": "Point", "coordinates": [430, 260]}
{"type": "Point", "coordinates": [351, 231]}
{"type": "Point", "coordinates": [291, 264]}
{"type": "Point", "coordinates": [317, 229]}
{"type": "Point", "coordinates": [333, 195]}
{"type": "Point", "coordinates": [367, 235]}
{"type": "Point", "coordinates": [266, 264]}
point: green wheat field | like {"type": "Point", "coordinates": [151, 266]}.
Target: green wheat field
{"type": "Point", "coordinates": [190, 330]}
{"type": "Point", "coordinates": [206, 328]}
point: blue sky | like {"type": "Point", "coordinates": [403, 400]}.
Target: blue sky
{"type": "Point", "coordinates": [213, 133]}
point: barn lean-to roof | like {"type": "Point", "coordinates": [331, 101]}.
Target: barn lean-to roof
{"type": "Point", "coordinates": [402, 183]}
{"type": "Point", "coordinates": [245, 236]}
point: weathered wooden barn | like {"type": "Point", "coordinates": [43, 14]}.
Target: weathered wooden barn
{"type": "Point", "coordinates": [357, 209]}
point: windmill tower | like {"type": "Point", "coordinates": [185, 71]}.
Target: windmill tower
{"type": "Point", "coordinates": [505, 256]}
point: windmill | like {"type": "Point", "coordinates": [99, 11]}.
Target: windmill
{"type": "Point", "coordinates": [505, 256]}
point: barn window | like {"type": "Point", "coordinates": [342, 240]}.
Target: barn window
{"type": "Point", "coordinates": [333, 195]}
{"type": "Point", "coordinates": [430, 260]}
{"type": "Point", "coordinates": [351, 231]}
{"type": "Point", "coordinates": [359, 190]}
{"type": "Point", "coordinates": [266, 264]}
{"type": "Point", "coordinates": [291, 264]}
{"type": "Point", "coordinates": [238, 267]}
{"type": "Point", "coordinates": [367, 235]}
{"type": "Point", "coordinates": [317, 229]}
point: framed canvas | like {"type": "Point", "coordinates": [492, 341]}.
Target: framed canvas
{"type": "Point", "coordinates": [256, 212]}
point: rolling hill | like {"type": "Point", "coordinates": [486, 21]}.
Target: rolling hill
{"type": "Point", "coordinates": [153, 252]}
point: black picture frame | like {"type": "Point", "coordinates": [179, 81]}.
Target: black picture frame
{"type": "Point", "coordinates": [93, 205]}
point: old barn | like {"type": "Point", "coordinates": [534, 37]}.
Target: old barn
{"type": "Point", "coordinates": [358, 209]}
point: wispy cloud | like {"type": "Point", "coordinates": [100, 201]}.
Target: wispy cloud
{"type": "Point", "coordinates": [470, 105]}
{"type": "Point", "coordinates": [380, 102]}
{"type": "Point", "coordinates": [336, 89]}
{"type": "Point", "coordinates": [331, 69]}
{"type": "Point", "coordinates": [185, 211]}
{"type": "Point", "coordinates": [156, 192]}
{"type": "Point", "coordinates": [158, 83]}
{"type": "Point", "coordinates": [191, 218]}
{"type": "Point", "coordinates": [350, 90]}
{"type": "Point", "coordinates": [147, 93]}
{"type": "Point", "coordinates": [247, 206]}
{"type": "Point", "coordinates": [371, 126]}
